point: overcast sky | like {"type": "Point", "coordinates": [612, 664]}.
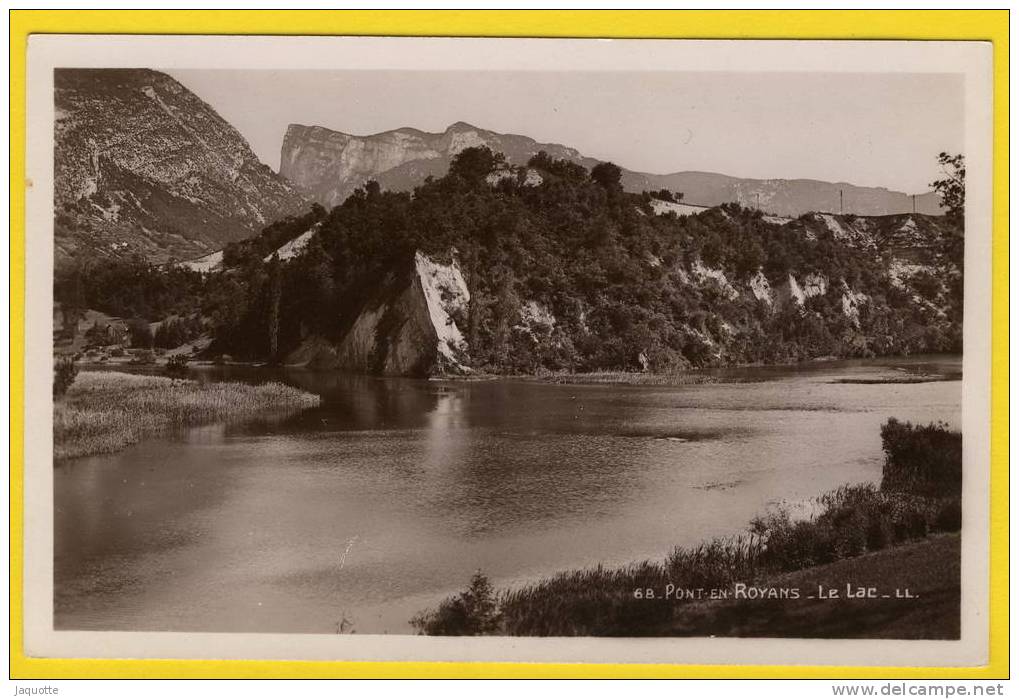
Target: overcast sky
{"type": "Point", "coordinates": [869, 129]}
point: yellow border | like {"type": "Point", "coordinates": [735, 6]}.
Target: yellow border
{"type": "Point", "coordinates": [987, 25]}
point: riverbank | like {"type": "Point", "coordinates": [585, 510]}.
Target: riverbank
{"type": "Point", "coordinates": [860, 530]}
{"type": "Point", "coordinates": [105, 411]}
{"type": "Point", "coordinates": [916, 595]}
{"type": "Point", "coordinates": [918, 369]}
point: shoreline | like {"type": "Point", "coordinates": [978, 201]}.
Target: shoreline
{"type": "Point", "coordinates": [849, 528]}
{"type": "Point", "coordinates": [688, 377]}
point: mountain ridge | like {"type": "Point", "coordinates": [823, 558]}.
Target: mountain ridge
{"type": "Point", "coordinates": [332, 164]}
{"type": "Point", "coordinates": [143, 165]}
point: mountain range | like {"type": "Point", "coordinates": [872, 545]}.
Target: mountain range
{"type": "Point", "coordinates": [142, 165]}
{"type": "Point", "coordinates": [328, 165]}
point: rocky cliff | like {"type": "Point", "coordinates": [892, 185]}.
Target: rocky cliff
{"type": "Point", "coordinates": [328, 165]}
{"type": "Point", "coordinates": [407, 328]}
{"type": "Point", "coordinates": [143, 165]}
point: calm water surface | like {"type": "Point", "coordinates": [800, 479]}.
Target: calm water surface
{"type": "Point", "coordinates": [392, 493]}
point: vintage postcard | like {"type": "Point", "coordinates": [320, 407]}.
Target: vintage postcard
{"type": "Point", "coordinates": [508, 350]}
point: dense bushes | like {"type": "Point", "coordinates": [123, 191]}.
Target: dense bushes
{"type": "Point", "coordinates": [852, 521]}
{"type": "Point", "coordinates": [921, 459]}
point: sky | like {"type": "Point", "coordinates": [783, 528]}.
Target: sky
{"type": "Point", "coordinates": [876, 129]}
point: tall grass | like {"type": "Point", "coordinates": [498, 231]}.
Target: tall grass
{"type": "Point", "coordinates": [106, 411]}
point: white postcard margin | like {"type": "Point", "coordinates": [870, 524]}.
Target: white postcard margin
{"type": "Point", "coordinates": [47, 52]}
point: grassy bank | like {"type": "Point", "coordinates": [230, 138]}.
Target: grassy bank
{"type": "Point", "coordinates": [847, 523]}
{"type": "Point", "coordinates": [928, 569]}
{"type": "Point", "coordinates": [106, 411]}
{"type": "Point", "coordinates": [919, 497]}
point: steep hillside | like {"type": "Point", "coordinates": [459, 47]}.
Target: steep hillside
{"type": "Point", "coordinates": [552, 268]}
{"type": "Point", "coordinates": [144, 166]}
{"type": "Point", "coordinates": [328, 165]}
{"type": "Point", "coordinates": [407, 328]}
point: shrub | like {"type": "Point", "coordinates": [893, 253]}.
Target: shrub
{"type": "Point", "coordinates": [64, 373]}
{"type": "Point", "coordinates": [921, 459]}
{"type": "Point", "coordinates": [473, 612]}
{"type": "Point", "coordinates": [176, 366]}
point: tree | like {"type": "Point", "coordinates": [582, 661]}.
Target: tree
{"type": "Point", "coordinates": [275, 292]}
{"type": "Point", "coordinates": [666, 195]}
{"type": "Point", "coordinates": [474, 164]}
{"type": "Point", "coordinates": [951, 188]}
{"type": "Point", "coordinates": [474, 612]}
{"type": "Point", "coordinates": [561, 168]}
{"type": "Point", "coordinates": [608, 175]}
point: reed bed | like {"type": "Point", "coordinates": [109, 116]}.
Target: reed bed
{"type": "Point", "coordinates": [103, 412]}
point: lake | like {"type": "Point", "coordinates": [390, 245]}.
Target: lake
{"type": "Point", "coordinates": [356, 515]}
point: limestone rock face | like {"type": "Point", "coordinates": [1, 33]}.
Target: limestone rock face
{"type": "Point", "coordinates": [408, 328]}
{"type": "Point", "coordinates": [328, 165]}
{"type": "Point", "coordinates": [142, 165]}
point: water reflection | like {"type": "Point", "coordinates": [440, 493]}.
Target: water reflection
{"type": "Point", "coordinates": [392, 492]}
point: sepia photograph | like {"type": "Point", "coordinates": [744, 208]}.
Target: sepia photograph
{"type": "Point", "coordinates": [475, 342]}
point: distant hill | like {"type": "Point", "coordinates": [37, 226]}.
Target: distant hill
{"type": "Point", "coordinates": [328, 165]}
{"type": "Point", "coordinates": [784, 197]}
{"type": "Point", "coordinates": [142, 165]}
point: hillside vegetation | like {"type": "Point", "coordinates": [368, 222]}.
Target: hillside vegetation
{"type": "Point", "coordinates": [568, 272]}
